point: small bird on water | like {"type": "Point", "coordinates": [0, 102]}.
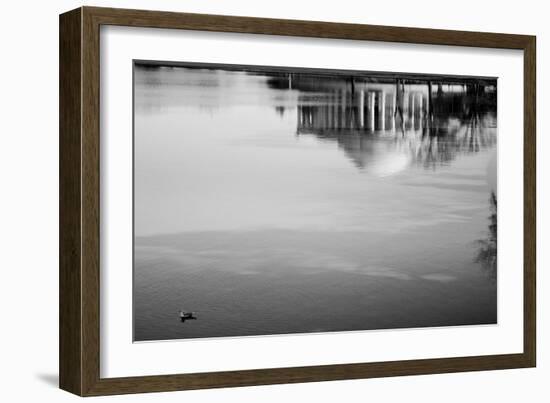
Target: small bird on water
{"type": "Point", "coordinates": [187, 315]}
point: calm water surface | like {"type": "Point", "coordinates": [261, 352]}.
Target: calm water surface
{"type": "Point", "coordinates": [276, 203]}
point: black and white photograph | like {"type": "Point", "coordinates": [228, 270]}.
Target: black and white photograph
{"type": "Point", "coordinates": [264, 202]}
{"type": "Point", "coordinates": [280, 200]}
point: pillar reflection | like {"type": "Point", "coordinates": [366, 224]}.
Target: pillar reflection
{"type": "Point", "coordinates": [433, 121]}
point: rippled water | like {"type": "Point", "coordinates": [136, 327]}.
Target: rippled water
{"type": "Point", "coordinates": [273, 203]}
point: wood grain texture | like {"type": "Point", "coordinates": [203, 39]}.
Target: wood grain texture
{"type": "Point", "coordinates": [70, 273]}
{"type": "Point", "coordinates": [316, 29]}
{"type": "Point", "coordinates": [90, 201]}
{"type": "Point", "coordinates": [530, 202]}
{"type": "Point", "coordinates": [80, 200]}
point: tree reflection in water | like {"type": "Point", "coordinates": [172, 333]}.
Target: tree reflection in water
{"type": "Point", "coordinates": [487, 252]}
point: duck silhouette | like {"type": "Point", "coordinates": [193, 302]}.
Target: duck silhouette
{"type": "Point", "coordinates": [187, 316]}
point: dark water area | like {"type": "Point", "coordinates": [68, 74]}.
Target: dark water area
{"type": "Point", "coordinates": [272, 202]}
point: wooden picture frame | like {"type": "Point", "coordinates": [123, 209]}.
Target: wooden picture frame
{"type": "Point", "coordinates": [79, 201]}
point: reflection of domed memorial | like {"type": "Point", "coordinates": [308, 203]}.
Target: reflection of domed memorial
{"type": "Point", "coordinates": [399, 122]}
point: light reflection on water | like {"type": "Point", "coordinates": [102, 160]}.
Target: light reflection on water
{"type": "Point", "coordinates": [289, 203]}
